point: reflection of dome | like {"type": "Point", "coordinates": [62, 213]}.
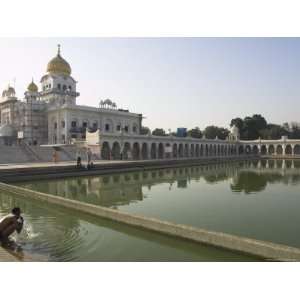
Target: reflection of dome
{"type": "Point", "coordinates": [58, 65]}
{"type": "Point", "coordinates": [7, 131]}
{"type": "Point", "coordinates": [32, 87]}
{"type": "Point", "coordinates": [9, 92]}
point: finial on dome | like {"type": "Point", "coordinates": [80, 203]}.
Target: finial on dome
{"type": "Point", "coordinates": [58, 49]}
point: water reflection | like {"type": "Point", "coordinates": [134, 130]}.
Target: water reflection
{"type": "Point", "coordinates": [40, 227]}
{"type": "Point", "coordinates": [57, 235]}
{"type": "Point", "coordinates": [123, 189]}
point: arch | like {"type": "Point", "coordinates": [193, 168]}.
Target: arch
{"type": "Point", "coordinates": [297, 149]}
{"type": "Point", "coordinates": [180, 150]}
{"type": "Point", "coordinates": [271, 149]}
{"type": "Point", "coordinates": [248, 149]}
{"type": "Point", "coordinates": [241, 150]}
{"type": "Point", "coordinates": [206, 150]}
{"type": "Point", "coordinates": [255, 149]}
{"type": "Point", "coordinates": [153, 151]}
{"type": "Point", "coordinates": [210, 150]}
{"type": "Point", "coordinates": [222, 150]}
{"type": "Point", "coordinates": [126, 153]}
{"type": "Point", "coordinates": [136, 151]}
{"type": "Point", "coordinates": [215, 150]}
{"type": "Point", "coordinates": [288, 150]}
{"type": "Point", "coordinates": [186, 150]}
{"type": "Point", "coordinates": [145, 151]}
{"type": "Point", "coordinates": [263, 150]}
{"type": "Point", "coordinates": [192, 150]}
{"type": "Point", "coordinates": [279, 150]}
{"type": "Point", "coordinates": [105, 151]}
{"type": "Point", "coordinates": [225, 150]}
{"type": "Point", "coordinates": [201, 150]}
{"type": "Point", "coordinates": [197, 151]}
{"type": "Point", "coordinates": [161, 150]}
{"type": "Point", "coordinates": [175, 150]}
{"type": "Point", "coordinates": [116, 151]}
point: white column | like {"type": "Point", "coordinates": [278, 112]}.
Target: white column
{"type": "Point", "coordinates": [283, 149]}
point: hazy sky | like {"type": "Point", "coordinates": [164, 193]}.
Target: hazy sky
{"type": "Point", "coordinates": [174, 82]}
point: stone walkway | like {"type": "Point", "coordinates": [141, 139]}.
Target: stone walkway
{"type": "Point", "coordinates": [5, 256]}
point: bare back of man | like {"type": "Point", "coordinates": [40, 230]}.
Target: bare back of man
{"type": "Point", "coordinates": [10, 223]}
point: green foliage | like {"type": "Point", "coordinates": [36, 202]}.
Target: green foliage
{"type": "Point", "coordinates": [211, 132]}
{"type": "Point", "coordinates": [145, 130]}
{"type": "Point", "coordinates": [195, 133]}
{"type": "Point", "coordinates": [159, 132]}
{"type": "Point", "coordinates": [252, 128]}
{"type": "Point", "coordinates": [273, 131]}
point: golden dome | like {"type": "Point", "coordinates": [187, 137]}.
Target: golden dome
{"type": "Point", "coordinates": [58, 65]}
{"type": "Point", "coordinates": [32, 87]}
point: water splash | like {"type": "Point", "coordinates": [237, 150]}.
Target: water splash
{"type": "Point", "coordinates": [28, 231]}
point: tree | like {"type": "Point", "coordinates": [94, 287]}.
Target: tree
{"type": "Point", "coordinates": [294, 132]}
{"type": "Point", "coordinates": [195, 133]}
{"type": "Point", "coordinates": [250, 127]}
{"type": "Point", "coordinates": [260, 122]}
{"type": "Point", "coordinates": [159, 132]}
{"type": "Point", "coordinates": [145, 130]}
{"type": "Point", "coordinates": [211, 132]}
{"type": "Point", "coordinates": [238, 122]}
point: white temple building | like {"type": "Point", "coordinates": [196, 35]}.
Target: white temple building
{"type": "Point", "coordinates": [51, 115]}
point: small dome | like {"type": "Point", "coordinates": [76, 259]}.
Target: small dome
{"type": "Point", "coordinates": [7, 131]}
{"type": "Point", "coordinates": [58, 65]}
{"type": "Point", "coordinates": [32, 87]}
{"type": "Point", "coordinates": [235, 130]}
{"type": "Point", "coordinates": [9, 92]}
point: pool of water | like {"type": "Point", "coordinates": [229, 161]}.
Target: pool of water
{"type": "Point", "coordinates": [52, 233]}
{"type": "Point", "coordinates": [258, 199]}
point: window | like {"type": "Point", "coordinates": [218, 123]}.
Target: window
{"type": "Point", "coordinates": [84, 124]}
{"type": "Point", "coordinates": [95, 125]}
{"type": "Point", "coordinates": [134, 128]}
{"type": "Point", "coordinates": [55, 125]}
{"type": "Point", "coordinates": [49, 86]}
{"type": "Point", "coordinates": [73, 124]}
{"type": "Point", "coordinates": [126, 128]}
{"type": "Point", "coordinates": [106, 127]}
{"type": "Point", "coordinates": [118, 127]}
{"type": "Point", "coordinates": [63, 124]}
{"type": "Point", "coordinates": [70, 88]}
{"type": "Point", "coordinates": [64, 87]}
{"type": "Point", "coordinates": [59, 86]}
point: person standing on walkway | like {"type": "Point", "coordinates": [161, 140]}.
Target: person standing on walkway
{"type": "Point", "coordinates": [55, 156]}
{"type": "Point", "coordinates": [89, 158]}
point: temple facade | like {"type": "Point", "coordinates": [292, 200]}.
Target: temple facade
{"type": "Point", "coordinates": [50, 115]}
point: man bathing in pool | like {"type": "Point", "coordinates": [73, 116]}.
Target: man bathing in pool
{"type": "Point", "coordinates": [11, 223]}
